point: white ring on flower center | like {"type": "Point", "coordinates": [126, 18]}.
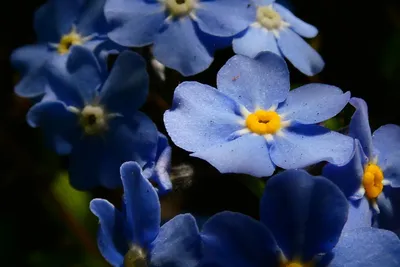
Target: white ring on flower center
{"type": "Point", "coordinates": [135, 257]}
{"type": "Point", "coordinates": [269, 19]}
{"type": "Point", "coordinates": [93, 119]}
{"type": "Point", "coordinates": [180, 8]}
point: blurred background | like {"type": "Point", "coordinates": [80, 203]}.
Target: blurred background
{"type": "Point", "coordinates": [45, 222]}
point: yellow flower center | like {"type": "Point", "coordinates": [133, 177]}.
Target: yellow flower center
{"type": "Point", "coordinates": [263, 122]}
{"type": "Point", "coordinates": [68, 40]}
{"type": "Point", "coordinates": [179, 8]}
{"type": "Point", "coordinates": [135, 257]}
{"type": "Point", "coordinates": [269, 18]}
{"type": "Point", "coordinates": [372, 180]}
{"type": "Point", "coordinates": [294, 264]}
{"type": "Point", "coordinates": [93, 120]}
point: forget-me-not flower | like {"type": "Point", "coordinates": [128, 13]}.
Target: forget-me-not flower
{"type": "Point", "coordinates": [274, 28]}
{"type": "Point", "coordinates": [302, 217]}
{"type": "Point", "coordinates": [133, 236]}
{"type": "Point", "coordinates": [252, 123]}
{"type": "Point", "coordinates": [374, 164]}
{"type": "Point", "coordinates": [95, 118]}
{"type": "Point", "coordinates": [59, 25]}
{"type": "Point", "coordinates": [184, 33]}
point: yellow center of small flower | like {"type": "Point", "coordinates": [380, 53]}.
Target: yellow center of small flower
{"type": "Point", "coordinates": [264, 122]}
{"type": "Point", "coordinates": [93, 120]}
{"type": "Point", "coordinates": [372, 180]}
{"type": "Point", "coordinates": [68, 40]}
{"type": "Point", "coordinates": [269, 18]}
{"type": "Point", "coordinates": [180, 8]}
{"type": "Point", "coordinates": [294, 264]}
{"type": "Point", "coordinates": [135, 257]}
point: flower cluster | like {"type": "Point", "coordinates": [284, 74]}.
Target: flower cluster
{"type": "Point", "coordinates": [252, 123]}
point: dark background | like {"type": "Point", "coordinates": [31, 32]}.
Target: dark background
{"type": "Point", "coordinates": [44, 222]}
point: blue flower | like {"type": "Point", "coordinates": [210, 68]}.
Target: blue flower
{"type": "Point", "coordinates": [133, 236]}
{"type": "Point", "coordinates": [301, 226]}
{"type": "Point", "coordinates": [276, 29]}
{"type": "Point", "coordinates": [375, 162]}
{"type": "Point", "coordinates": [59, 24]}
{"type": "Point", "coordinates": [96, 119]}
{"type": "Point", "coordinates": [252, 123]}
{"type": "Point", "coordinates": [185, 33]}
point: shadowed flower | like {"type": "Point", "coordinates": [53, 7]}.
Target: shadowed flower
{"type": "Point", "coordinates": [302, 217]}
{"type": "Point", "coordinates": [252, 123]}
{"type": "Point", "coordinates": [133, 236]}
{"type": "Point", "coordinates": [276, 29]}
{"type": "Point", "coordinates": [96, 119]}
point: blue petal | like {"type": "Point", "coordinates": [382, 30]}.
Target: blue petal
{"type": "Point", "coordinates": [45, 32]}
{"type": "Point", "coordinates": [367, 247]}
{"type": "Point", "coordinates": [299, 53]}
{"type": "Point", "coordinates": [390, 165]}
{"type": "Point", "coordinates": [163, 166]}
{"type": "Point", "coordinates": [142, 205]}
{"type": "Point", "coordinates": [254, 41]}
{"type": "Point", "coordinates": [126, 88]}
{"type": "Point", "coordinates": [304, 145]}
{"type": "Point", "coordinates": [261, 82]}
{"type": "Point", "coordinates": [389, 206]}
{"type": "Point", "coordinates": [29, 60]}
{"type": "Point", "coordinates": [247, 154]}
{"type": "Point", "coordinates": [178, 244]}
{"type": "Point", "coordinates": [386, 140]}
{"type": "Point", "coordinates": [313, 103]}
{"type": "Point", "coordinates": [134, 23]}
{"type": "Point", "coordinates": [200, 117]}
{"type": "Point", "coordinates": [234, 239]}
{"type": "Point", "coordinates": [359, 125]}
{"type": "Point", "coordinates": [179, 47]}
{"type": "Point", "coordinates": [237, 16]}
{"type": "Point", "coordinates": [92, 19]}
{"type": "Point", "coordinates": [349, 176]}
{"type": "Point", "coordinates": [305, 214]}
{"type": "Point", "coordinates": [297, 25]}
{"type": "Point", "coordinates": [110, 237]}
{"type": "Point", "coordinates": [360, 215]}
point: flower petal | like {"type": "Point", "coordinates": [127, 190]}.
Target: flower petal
{"type": "Point", "coordinates": [389, 206]}
{"type": "Point", "coordinates": [254, 41]}
{"type": "Point", "coordinates": [92, 19]}
{"type": "Point", "coordinates": [304, 145]}
{"type": "Point", "coordinates": [300, 53]}
{"type": "Point", "coordinates": [247, 154]}
{"type": "Point", "coordinates": [360, 215]}
{"type": "Point", "coordinates": [45, 31]}
{"type": "Point", "coordinates": [305, 214]}
{"type": "Point", "coordinates": [262, 82]}
{"type": "Point", "coordinates": [200, 117]}
{"type": "Point", "coordinates": [381, 247]}
{"type": "Point", "coordinates": [237, 17]}
{"type": "Point", "coordinates": [297, 25]}
{"type": "Point", "coordinates": [124, 16]}
{"type": "Point", "coordinates": [179, 47]}
{"type": "Point", "coordinates": [235, 239]}
{"type": "Point", "coordinates": [313, 103]}
{"type": "Point", "coordinates": [178, 243]}
{"type": "Point", "coordinates": [126, 88]}
{"type": "Point", "coordinates": [390, 165]}
{"type": "Point", "coordinates": [386, 139]}
{"type": "Point", "coordinates": [163, 165]}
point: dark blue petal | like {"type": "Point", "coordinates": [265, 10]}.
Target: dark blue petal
{"type": "Point", "coordinates": [200, 117]}
{"type": "Point", "coordinates": [126, 88]}
{"type": "Point", "coordinates": [247, 154]}
{"type": "Point", "coordinates": [390, 165]}
{"type": "Point", "coordinates": [92, 19]}
{"type": "Point", "coordinates": [349, 176]}
{"type": "Point", "coordinates": [304, 145]}
{"type": "Point", "coordinates": [29, 61]}
{"type": "Point", "coordinates": [110, 237]}
{"type": "Point", "coordinates": [237, 17]}
{"type": "Point", "coordinates": [368, 247]}
{"type": "Point", "coordinates": [142, 206]}
{"type": "Point", "coordinates": [386, 140]}
{"type": "Point", "coordinates": [305, 214]}
{"type": "Point", "coordinates": [237, 240]}
{"type": "Point", "coordinates": [163, 165]}
{"type": "Point", "coordinates": [178, 244]}
{"type": "Point", "coordinates": [134, 23]}
{"type": "Point", "coordinates": [313, 103]}
{"type": "Point", "coordinates": [45, 32]}
{"type": "Point", "coordinates": [297, 25]}
{"type": "Point", "coordinates": [360, 215]}
{"type": "Point", "coordinates": [179, 47]}
{"type": "Point", "coordinates": [389, 206]}
{"type": "Point", "coordinates": [254, 41]}
{"type": "Point", "coordinates": [299, 53]}
{"type": "Point", "coordinates": [359, 125]}
{"type": "Point", "coordinates": [262, 82]}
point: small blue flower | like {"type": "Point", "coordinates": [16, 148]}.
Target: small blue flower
{"type": "Point", "coordinates": [252, 123]}
{"type": "Point", "coordinates": [301, 226]}
{"type": "Point", "coordinates": [96, 119]}
{"type": "Point", "coordinates": [185, 33]}
{"type": "Point", "coordinates": [133, 236]}
{"type": "Point", "coordinates": [276, 29]}
{"type": "Point", "coordinates": [375, 163]}
{"type": "Point", "coordinates": [59, 25]}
